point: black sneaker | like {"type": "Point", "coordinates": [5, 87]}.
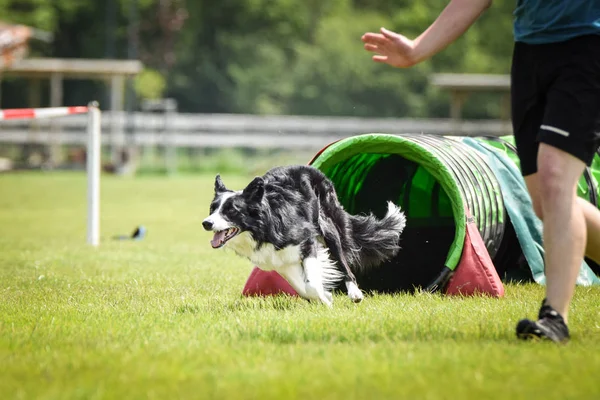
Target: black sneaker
{"type": "Point", "coordinates": [550, 325]}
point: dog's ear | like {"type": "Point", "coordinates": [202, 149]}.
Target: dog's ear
{"type": "Point", "coordinates": [219, 186]}
{"type": "Point", "coordinates": [255, 189]}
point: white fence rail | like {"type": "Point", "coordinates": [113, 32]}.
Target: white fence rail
{"type": "Point", "coordinates": [233, 130]}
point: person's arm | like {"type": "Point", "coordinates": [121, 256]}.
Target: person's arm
{"type": "Point", "coordinates": [399, 51]}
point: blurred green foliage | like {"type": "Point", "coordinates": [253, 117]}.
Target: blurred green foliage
{"type": "Point", "coordinates": [267, 56]}
{"type": "Point", "coordinates": [150, 84]}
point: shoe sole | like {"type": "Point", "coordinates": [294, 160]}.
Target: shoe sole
{"type": "Point", "coordinates": [527, 330]}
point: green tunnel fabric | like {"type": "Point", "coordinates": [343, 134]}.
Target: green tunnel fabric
{"type": "Point", "coordinates": [431, 196]}
{"type": "Point", "coordinates": [347, 161]}
{"type": "Point", "coordinates": [527, 225]}
{"type": "Point", "coordinates": [583, 189]}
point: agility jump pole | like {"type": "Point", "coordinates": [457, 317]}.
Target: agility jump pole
{"type": "Point", "coordinates": [93, 154]}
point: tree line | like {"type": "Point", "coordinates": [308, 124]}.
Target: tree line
{"type": "Point", "coordinates": [264, 56]}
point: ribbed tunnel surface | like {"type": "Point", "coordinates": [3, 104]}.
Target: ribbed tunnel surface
{"type": "Point", "coordinates": [431, 178]}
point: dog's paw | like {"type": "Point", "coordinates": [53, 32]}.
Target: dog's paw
{"type": "Point", "coordinates": [354, 292]}
{"type": "Point", "coordinates": [313, 293]}
{"type": "Point", "coordinates": [327, 300]}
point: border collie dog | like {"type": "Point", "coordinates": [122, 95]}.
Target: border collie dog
{"type": "Point", "coordinates": [290, 220]}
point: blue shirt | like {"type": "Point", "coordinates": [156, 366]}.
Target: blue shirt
{"type": "Point", "coordinates": [548, 21]}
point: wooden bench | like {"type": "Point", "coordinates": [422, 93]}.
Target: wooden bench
{"type": "Point", "coordinates": [461, 86]}
{"type": "Point", "coordinates": [56, 70]}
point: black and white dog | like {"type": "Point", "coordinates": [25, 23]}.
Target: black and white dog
{"type": "Point", "coordinates": [290, 221]}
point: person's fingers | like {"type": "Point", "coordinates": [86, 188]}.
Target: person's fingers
{"type": "Point", "coordinates": [398, 41]}
{"type": "Point", "coordinates": [374, 38]}
{"type": "Point", "coordinates": [389, 34]}
{"type": "Point", "coordinates": [371, 47]}
{"type": "Point", "coordinates": [366, 36]}
{"type": "Point", "coordinates": [390, 47]}
{"type": "Point", "coordinates": [369, 35]}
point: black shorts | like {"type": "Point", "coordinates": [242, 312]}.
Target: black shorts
{"type": "Point", "coordinates": [555, 95]}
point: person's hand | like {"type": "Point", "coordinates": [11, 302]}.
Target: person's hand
{"type": "Point", "coordinates": [391, 48]}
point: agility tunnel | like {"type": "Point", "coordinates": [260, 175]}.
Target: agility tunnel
{"type": "Point", "coordinates": [470, 223]}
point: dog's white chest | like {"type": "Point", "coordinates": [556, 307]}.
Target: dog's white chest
{"type": "Point", "coordinates": [266, 257]}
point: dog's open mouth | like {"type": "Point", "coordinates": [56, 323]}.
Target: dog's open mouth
{"type": "Point", "coordinates": [221, 237]}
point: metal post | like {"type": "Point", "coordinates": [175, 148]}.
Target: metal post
{"type": "Point", "coordinates": [458, 98]}
{"type": "Point", "coordinates": [117, 89]}
{"type": "Point", "coordinates": [167, 109]}
{"type": "Point", "coordinates": [171, 149]}
{"type": "Point", "coordinates": [56, 100]}
{"type": "Point", "coordinates": [93, 174]}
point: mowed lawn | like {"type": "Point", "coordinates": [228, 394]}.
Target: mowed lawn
{"type": "Point", "coordinates": [163, 318]}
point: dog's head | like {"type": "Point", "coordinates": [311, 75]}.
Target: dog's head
{"type": "Point", "coordinates": [233, 212]}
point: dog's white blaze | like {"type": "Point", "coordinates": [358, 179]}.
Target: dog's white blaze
{"type": "Point", "coordinates": [220, 223]}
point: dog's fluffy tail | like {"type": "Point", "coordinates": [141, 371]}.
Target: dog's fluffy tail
{"type": "Point", "coordinates": [377, 240]}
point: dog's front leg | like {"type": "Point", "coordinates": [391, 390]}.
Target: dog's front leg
{"type": "Point", "coordinates": [294, 275]}
{"type": "Point", "coordinates": [314, 281]}
{"type": "Point", "coordinates": [297, 277]}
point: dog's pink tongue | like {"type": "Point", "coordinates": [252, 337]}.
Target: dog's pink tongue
{"type": "Point", "coordinates": [217, 239]}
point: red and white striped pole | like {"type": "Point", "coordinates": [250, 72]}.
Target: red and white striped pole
{"type": "Point", "coordinates": [38, 113]}
{"type": "Point", "coordinates": [93, 154]}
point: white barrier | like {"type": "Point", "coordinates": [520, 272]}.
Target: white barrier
{"type": "Point", "coordinates": [93, 154]}
{"type": "Point", "coordinates": [238, 130]}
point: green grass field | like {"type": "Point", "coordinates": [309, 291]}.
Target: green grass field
{"type": "Point", "coordinates": [164, 318]}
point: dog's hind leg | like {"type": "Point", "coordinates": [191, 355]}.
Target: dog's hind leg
{"type": "Point", "coordinates": [334, 243]}
{"type": "Point", "coordinates": [354, 293]}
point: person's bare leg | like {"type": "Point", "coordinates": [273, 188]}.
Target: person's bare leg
{"type": "Point", "coordinates": [592, 223]}
{"type": "Point", "coordinates": [590, 213]}
{"type": "Point", "coordinates": [533, 187]}
{"type": "Point", "coordinates": [564, 224]}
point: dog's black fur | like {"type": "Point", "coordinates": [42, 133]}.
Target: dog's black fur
{"type": "Point", "coordinates": [298, 206]}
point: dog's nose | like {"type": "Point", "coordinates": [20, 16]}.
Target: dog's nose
{"type": "Point", "coordinates": [207, 224]}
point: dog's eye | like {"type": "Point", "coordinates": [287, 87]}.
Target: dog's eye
{"type": "Point", "coordinates": [234, 209]}
{"type": "Point", "coordinates": [227, 208]}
